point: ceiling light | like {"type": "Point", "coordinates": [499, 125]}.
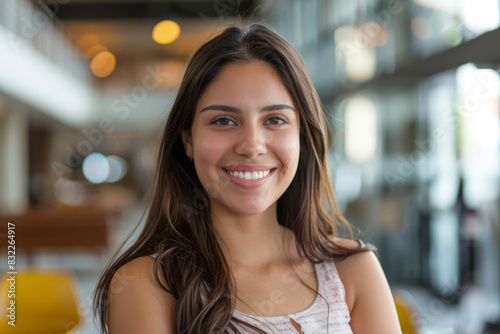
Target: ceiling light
{"type": "Point", "coordinates": [166, 32]}
{"type": "Point", "coordinates": [103, 64]}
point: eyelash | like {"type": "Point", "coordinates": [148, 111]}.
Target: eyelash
{"type": "Point", "coordinates": [282, 118]}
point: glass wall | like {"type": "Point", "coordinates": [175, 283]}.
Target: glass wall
{"type": "Point", "coordinates": [415, 157]}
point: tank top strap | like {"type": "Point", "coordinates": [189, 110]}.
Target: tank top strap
{"type": "Point", "coordinates": [330, 281]}
{"type": "Point", "coordinates": [334, 291]}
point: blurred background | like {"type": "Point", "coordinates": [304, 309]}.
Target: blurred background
{"type": "Point", "coordinates": [411, 90]}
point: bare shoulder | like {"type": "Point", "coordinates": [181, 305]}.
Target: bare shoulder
{"type": "Point", "coordinates": [137, 304]}
{"type": "Point", "coordinates": [352, 262]}
{"type": "Point", "coordinates": [367, 292]}
{"type": "Point", "coordinates": [139, 271]}
{"type": "Point", "coordinates": [354, 267]}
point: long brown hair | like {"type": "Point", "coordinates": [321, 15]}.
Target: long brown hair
{"type": "Point", "coordinates": [178, 227]}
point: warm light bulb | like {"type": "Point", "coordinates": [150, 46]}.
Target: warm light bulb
{"type": "Point", "coordinates": [166, 32]}
{"type": "Point", "coordinates": [103, 64]}
{"type": "Point", "coordinates": [95, 49]}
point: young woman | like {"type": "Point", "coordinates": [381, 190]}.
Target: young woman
{"type": "Point", "coordinates": [238, 238]}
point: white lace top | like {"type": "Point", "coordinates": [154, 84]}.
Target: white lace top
{"type": "Point", "coordinates": [327, 314]}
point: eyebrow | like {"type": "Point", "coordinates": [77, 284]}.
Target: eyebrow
{"type": "Point", "coordinates": [236, 110]}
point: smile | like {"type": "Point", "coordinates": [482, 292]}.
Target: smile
{"type": "Point", "coordinates": [249, 179]}
{"type": "Point", "coordinates": [255, 175]}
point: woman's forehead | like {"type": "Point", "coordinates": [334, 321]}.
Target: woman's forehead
{"type": "Point", "coordinates": [246, 84]}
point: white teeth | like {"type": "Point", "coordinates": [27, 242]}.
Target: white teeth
{"type": "Point", "coordinates": [250, 175]}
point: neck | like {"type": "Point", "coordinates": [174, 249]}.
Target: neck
{"type": "Point", "coordinates": [256, 241]}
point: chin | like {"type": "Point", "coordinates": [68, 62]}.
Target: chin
{"type": "Point", "coordinates": [248, 210]}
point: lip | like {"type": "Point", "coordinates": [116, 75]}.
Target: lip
{"type": "Point", "coordinates": [250, 183]}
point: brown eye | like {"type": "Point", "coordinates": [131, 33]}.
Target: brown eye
{"type": "Point", "coordinates": [222, 121]}
{"type": "Point", "coordinates": [277, 120]}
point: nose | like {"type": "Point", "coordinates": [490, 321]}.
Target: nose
{"type": "Point", "coordinates": [251, 141]}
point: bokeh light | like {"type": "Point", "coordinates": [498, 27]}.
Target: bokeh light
{"type": "Point", "coordinates": [373, 33]}
{"type": "Point", "coordinates": [94, 50]}
{"type": "Point", "coordinates": [96, 168]}
{"type": "Point", "coordinates": [87, 41]}
{"type": "Point", "coordinates": [117, 168]}
{"type": "Point", "coordinates": [452, 34]}
{"type": "Point", "coordinates": [357, 55]}
{"type": "Point", "coordinates": [103, 64]}
{"type": "Point", "coordinates": [421, 28]}
{"type": "Point", "coordinates": [166, 32]}
{"type": "Point", "coordinates": [360, 129]}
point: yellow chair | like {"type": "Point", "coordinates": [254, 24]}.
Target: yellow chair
{"type": "Point", "coordinates": [44, 302]}
{"type": "Point", "coordinates": [406, 312]}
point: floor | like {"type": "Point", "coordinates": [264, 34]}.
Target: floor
{"type": "Point", "coordinates": [441, 316]}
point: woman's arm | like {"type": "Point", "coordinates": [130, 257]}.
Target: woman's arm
{"type": "Point", "coordinates": [368, 295]}
{"type": "Point", "coordinates": [137, 304]}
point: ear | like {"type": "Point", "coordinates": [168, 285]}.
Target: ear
{"type": "Point", "coordinates": [188, 144]}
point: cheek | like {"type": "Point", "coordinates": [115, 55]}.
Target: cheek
{"type": "Point", "coordinates": [209, 145]}
{"type": "Point", "coordinates": [288, 149]}
{"type": "Point", "coordinates": [209, 149]}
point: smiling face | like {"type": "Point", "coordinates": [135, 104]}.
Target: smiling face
{"type": "Point", "coordinates": [245, 139]}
